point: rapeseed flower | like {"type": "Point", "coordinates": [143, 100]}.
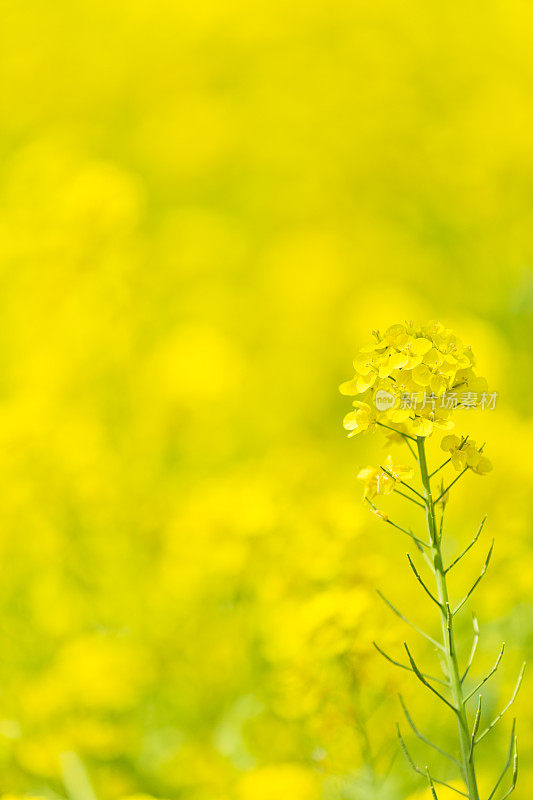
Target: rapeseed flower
{"type": "Point", "coordinates": [464, 454]}
{"type": "Point", "coordinates": [383, 480]}
{"type": "Point", "coordinates": [401, 362]}
{"type": "Point", "coordinates": [364, 418]}
{"type": "Point", "coordinates": [414, 376]}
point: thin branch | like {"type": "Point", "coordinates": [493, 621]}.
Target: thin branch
{"type": "Point", "coordinates": [475, 727]}
{"type": "Point", "coordinates": [441, 524]}
{"type": "Point", "coordinates": [424, 681]}
{"type": "Point", "coordinates": [401, 433]}
{"type": "Point", "coordinates": [485, 679]}
{"type": "Point", "coordinates": [509, 704]}
{"type": "Point", "coordinates": [515, 772]}
{"type": "Point", "coordinates": [404, 666]}
{"type": "Point", "coordinates": [420, 771]}
{"type": "Point", "coordinates": [512, 748]}
{"type": "Point", "coordinates": [439, 468]}
{"type": "Point", "coordinates": [449, 623]}
{"type": "Point", "coordinates": [410, 446]}
{"type": "Point", "coordinates": [464, 441]}
{"type": "Point", "coordinates": [404, 483]}
{"type": "Point", "coordinates": [407, 497]}
{"type": "Point", "coordinates": [394, 525]}
{"type": "Point", "coordinates": [474, 647]}
{"type": "Point", "coordinates": [423, 738]}
{"type": "Point", "coordinates": [426, 559]}
{"type": "Point", "coordinates": [441, 495]}
{"type": "Point", "coordinates": [483, 571]}
{"type": "Point", "coordinates": [431, 785]}
{"type": "Point", "coordinates": [421, 582]}
{"type": "Point", "coordinates": [408, 622]}
{"type": "Point", "coordinates": [409, 533]}
{"type": "Point", "coordinates": [465, 551]}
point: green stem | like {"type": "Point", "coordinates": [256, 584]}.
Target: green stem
{"type": "Point", "coordinates": [467, 756]}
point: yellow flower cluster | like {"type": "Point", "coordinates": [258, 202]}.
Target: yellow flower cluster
{"type": "Point", "coordinates": [383, 480]}
{"type": "Point", "coordinates": [412, 377]}
{"type": "Point", "coordinates": [464, 453]}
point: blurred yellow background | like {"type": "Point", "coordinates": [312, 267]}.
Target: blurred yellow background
{"type": "Point", "coordinates": [204, 210]}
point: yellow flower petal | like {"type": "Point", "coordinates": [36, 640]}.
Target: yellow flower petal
{"type": "Point", "coordinates": [458, 459]}
{"type": "Point", "coordinates": [437, 384]}
{"type": "Point", "coordinates": [450, 443]}
{"type": "Point", "coordinates": [349, 387]}
{"type": "Point", "coordinates": [398, 360]}
{"type": "Point", "coordinates": [399, 414]}
{"type": "Point", "coordinates": [483, 466]}
{"type": "Point", "coordinates": [444, 424]}
{"type": "Point", "coordinates": [350, 420]}
{"type": "Point", "coordinates": [423, 426]}
{"type": "Point", "coordinates": [421, 346]}
{"type": "Point", "coordinates": [433, 358]}
{"type": "Point", "coordinates": [421, 375]}
{"type": "Point", "coordinates": [395, 330]}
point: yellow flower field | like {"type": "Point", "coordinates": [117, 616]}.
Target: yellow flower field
{"type": "Point", "coordinates": [205, 208]}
